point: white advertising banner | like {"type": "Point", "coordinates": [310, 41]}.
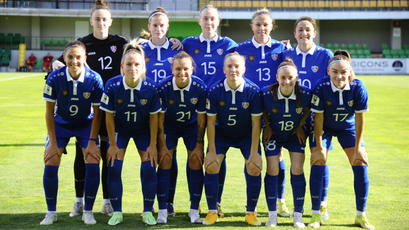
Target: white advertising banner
{"type": "Point", "coordinates": [380, 66]}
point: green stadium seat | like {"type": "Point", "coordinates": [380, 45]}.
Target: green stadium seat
{"type": "Point", "coordinates": [352, 51]}
{"type": "Point", "coordinates": [401, 52]}
{"type": "Point", "coordinates": [358, 46]}
{"type": "Point", "coordinates": [384, 46]}
{"type": "Point", "coordinates": [361, 56]}
{"type": "Point", "coordinates": [64, 42]}
{"type": "Point", "coordinates": [388, 56]}
{"type": "Point", "coordinates": [407, 52]}
{"type": "Point", "coordinates": [55, 42]}
{"type": "Point", "coordinates": [336, 46]}
{"type": "Point", "coordinates": [367, 52]}
{"type": "Point", "coordinates": [350, 46]}
{"type": "Point", "coordinates": [365, 46]}
{"type": "Point", "coordinates": [386, 52]}
{"type": "Point", "coordinates": [406, 46]}
{"type": "Point", "coordinates": [329, 46]}
{"type": "Point", "coordinates": [344, 46]}
{"type": "Point", "coordinates": [47, 42]}
{"type": "Point", "coordinates": [2, 38]}
{"type": "Point", "coordinates": [17, 38]}
{"type": "Point", "coordinates": [9, 39]}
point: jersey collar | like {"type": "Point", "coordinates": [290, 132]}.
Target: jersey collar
{"type": "Point", "coordinates": [153, 46]}
{"type": "Point", "coordinates": [256, 44]}
{"type": "Point", "coordinates": [227, 87]}
{"type": "Point", "coordinates": [202, 39]}
{"type": "Point", "coordinates": [335, 89]}
{"type": "Point", "coordinates": [80, 79]}
{"type": "Point", "coordinates": [175, 87]}
{"type": "Point", "coordinates": [280, 96]}
{"type": "Point", "coordinates": [311, 51]}
{"type": "Point", "coordinates": [137, 87]}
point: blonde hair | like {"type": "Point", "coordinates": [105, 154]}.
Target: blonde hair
{"type": "Point", "coordinates": [133, 48]}
{"type": "Point", "coordinates": [235, 53]}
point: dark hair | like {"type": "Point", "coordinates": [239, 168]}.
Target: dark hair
{"type": "Point", "coordinates": [263, 11]}
{"type": "Point", "coordinates": [306, 18]}
{"type": "Point", "coordinates": [72, 44]}
{"type": "Point", "coordinates": [297, 89]}
{"type": "Point", "coordinates": [345, 56]}
{"type": "Point", "coordinates": [182, 55]}
{"type": "Point", "coordinates": [158, 11]}
{"type": "Point", "coordinates": [133, 47]}
{"type": "Point", "coordinates": [100, 5]}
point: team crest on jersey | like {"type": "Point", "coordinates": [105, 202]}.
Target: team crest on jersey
{"type": "Point", "coordinates": [197, 51]}
{"type": "Point", "coordinates": [143, 101]}
{"type": "Point", "coordinates": [245, 105]}
{"type": "Point", "coordinates": [170, 60]}
{"type": "Point", "coordinates": [314, 68]}
{"type": "Point", "coordinates": [113, 49]}
{"type": "Point", "coordinates": [222, 103]}
{"type": "Point", "coordinates": [251, 58]}
{"type": "Point", "coordinates": [329, 103]}
{"type": "Point", "coordinates": [207, 104]}
{"type": "Point", "coordinates": [298, 110]}
{"type": "Point", "coordinates": [86, 95]}
{"type": "Point", "coordinates": [220, 51]}
{"type": "Point", "coordinates": [274, 110]}
{"type": "Point", "coordinates": [65, 92]}
{"type": "Point", "coordinates": [120, 101]}
{"type": "Point", "coordinates": [147, 59]}
{"type": "Point", "coordinates": [171, 101]}
{"type": "Point", "coordinates": [275, 57]}
{"type": "Point", "coordinates": [351, 103]}
{"type": "Point", "coordinates": [193, 100]}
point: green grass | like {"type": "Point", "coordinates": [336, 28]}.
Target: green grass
{"type": "Point", "coordinates": [23, 132]}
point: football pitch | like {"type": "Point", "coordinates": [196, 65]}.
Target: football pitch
{"type": "Point", "coordinates": [22, 138]}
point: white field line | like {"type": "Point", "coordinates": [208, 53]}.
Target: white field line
{"type": "Point", "coordinates": [19, 77]}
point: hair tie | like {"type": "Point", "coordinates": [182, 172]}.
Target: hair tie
{"type": "Point", "coordinates": [340, 60]}
{"type": "Point", "coordinates": [285, 66]}
{"type": "Point", "coordinates": [156, 13]}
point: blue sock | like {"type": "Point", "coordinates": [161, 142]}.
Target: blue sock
{"type": "Point", "coordinates": [298, 184]}
{"type": "Point", "coordinates": [173, 178]}
{"type": "Point", "coordinates": [222, 177]}
{"type": "Point", "coordinates": [114, 182]}
{"type": "Point", "coordinates": [163, 187]}
{"type": "Point", "coordinates": [325, 184]}
{"type": "Point", "coordinates": [361, 186]}
{"type": "Point", "coordinates": [281, 180]}
{"type": "Point", "coordinates": [91, 185]}
{"type": "Point", "coordinates": [189, 186]}
{"type": "Point", "coordinates": [196, 183]}
{"type": "Point", "coordinates": [149, 182]}
{"type": "Point", "coordinates": [253, 190]}
{"type": "Point", "coordinates": [50, 183]}
{"type": "Point", "coordinates": [316, 185]}
{"type": "Point", "coordinates": [270, 189]}
{"type": "Point", "coordinates": [211, 187]}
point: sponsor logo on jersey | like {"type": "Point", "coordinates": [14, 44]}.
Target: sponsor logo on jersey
{"type": "Point", "coordinates": [220, 51]}
{"type": "Point", "coordinates": [65, 92]}
{"type": "Point", "coordinates": [48, 90]}
{"type": "Point", "coordinates": [86, 95]}
{"type": "Point", "coordinates": [207, 104]}
{"type": "Point", "coordinates": [120, 101]}
{"type": "Point", "coordinates": [171, 101]}
{"type": "Point", "coordinates": [170, 60]}
{"type": "Point", "coordinates": [143, 101]}
{"type": "Point", "coordinates": [193, 100]}
{"type": "Point", "coordinates": [105, 99]}
{"type": "Point", "coordinates": [251, 58]}
{"type": "Point", "coordinates": [245, 105]}
{"type": "Point", "coordinates": [275, 57]}
{"type": "Point", "coordinates": [314, 68]}
{"type": "Point", "coordinates": [298, 110]}
{"type": "Point", "coordinates": [274, 110]}
{"type": "Point", "coordinates": [351, 103]}
{"type": "Point", "coordinates": [147, 59]}
{"type": "Point", "coordinates": [197, 51]}
{"type": "Point", "coordinates": [315, 100]}
{"type": "Point", "coordinates": [113, 49]}
{"type": "Point", "coordinates": [328, 102]}
{"type": "Point", "coordinates": [222, 103]}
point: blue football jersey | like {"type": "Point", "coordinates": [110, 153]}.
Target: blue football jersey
{"type": "Point", "coordinates": [261, 60]}
{"type": "Point", "coordinates": [158, 60]}
{"type": "Point", "coordinates": [73, 98]}
{"type": "Point", "coordinates": [284, 114]}
{"type": "Point", "coordinates": [339, 106]}
{"type": "Point", "coordinates": [182, 105]}
{"type": "Point", "coordinates": [312, 66]}
{"type": "Point", "coordinates": [209, 56]}
{"type": "Point", "coordinates": [233, 108]}
{"type": "Point", "coordinates": [132, 106]}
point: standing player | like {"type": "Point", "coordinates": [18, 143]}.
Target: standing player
{"type": "Point", "coordinates": [235, 103]}
{"type": "Point", "coordinates": [75, 89]}
{"type": "Point", "coordinates": [208, 51]}
{"type": "Point", "coordinates": [286, 107]}
{"type": "Point", "coordinates": [339, 103]}
{"type": "Point", "coordinates": [183, 115]}
{"type": "Point", "coordinates": [47, 62]}
{"type": "Point", "coordinates": [262, 59]}
{"type": "Point", "coordinates": [312, 62]}
{"type": "Point", "coordinates": [104, 52]}
{"type": "Point", "coordinates": [132, 105]}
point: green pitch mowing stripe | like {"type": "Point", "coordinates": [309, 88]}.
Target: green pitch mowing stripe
{"type": "Point", "coordinates": [23, 132]}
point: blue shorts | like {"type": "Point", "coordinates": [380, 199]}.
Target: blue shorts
{"type": "Point", "coordinates": [189, 136]}
{"type": "Point", "coordinates": [309, 132]}
{"type": "Point", "coordinates": [142, 140]}
{"type": "Point", "coordinates": [224, 143]}
{"type": "Point", "coordinates": [273, 147]}
{"type": "Point", "coordinates": [63, 135]}
{"type": "Point", "coordinates": [346, 138]}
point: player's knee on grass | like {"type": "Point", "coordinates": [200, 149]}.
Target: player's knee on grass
{"type": "Point", "coordinates": [195, 162]}
{"type": "Point", "coordinates": [212, 167]}
{"type": "Point", "coordinates": [253, 169]}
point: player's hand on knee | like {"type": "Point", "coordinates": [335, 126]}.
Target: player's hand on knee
{"type": "Point", "coordinates": [112, 154]}
{"type": "Point", "coordinates": [212, 164]}
{"type": "Point", "coordinates": [254, 164]}
{"type": "Point", "coordinates": [318, 156]}
{"type": "Point", "coordinates": [50, 152]}
{"type": "Point", "coordinates": [152, 152]}
{"type": "Point", "coordinates": [267, 133]}
{"type": "Point", "coordinates": [165, 156]}
{"type": "Point", "coordinates": [360, 157]}
{"type": "Point", "coordinates": [299, 132]}
{"type": "Point", "coordinates": [92, 153]}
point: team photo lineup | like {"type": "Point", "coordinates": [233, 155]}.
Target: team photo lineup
{"type": "Point", "coordinates": [262, 96]}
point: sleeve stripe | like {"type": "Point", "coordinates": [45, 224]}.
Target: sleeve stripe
{"type": "Point", "coordinates": [211, 114]}
{"type": "Point", "coordinates": [106, 110]}
{"type": "Point", "coordinates": [201, 112]}
{"type": "Point", "coordinates": [256, 114]}
{"type": "Point", "coordinates": [48, 99]}
{"type": "Point", "coordinates": [361, 111]}
{"type": "Point", "coordinates": [95, 104]}
{"type": "Point", "coordinates": [316, 111]}
{"type": "Point", "coordinates": [157, 111]}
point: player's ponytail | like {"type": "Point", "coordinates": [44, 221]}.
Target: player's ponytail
{"type": "Point", "coordinates": [133, 48]}
{"type": "Point", "coordinates": [342, 55]}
